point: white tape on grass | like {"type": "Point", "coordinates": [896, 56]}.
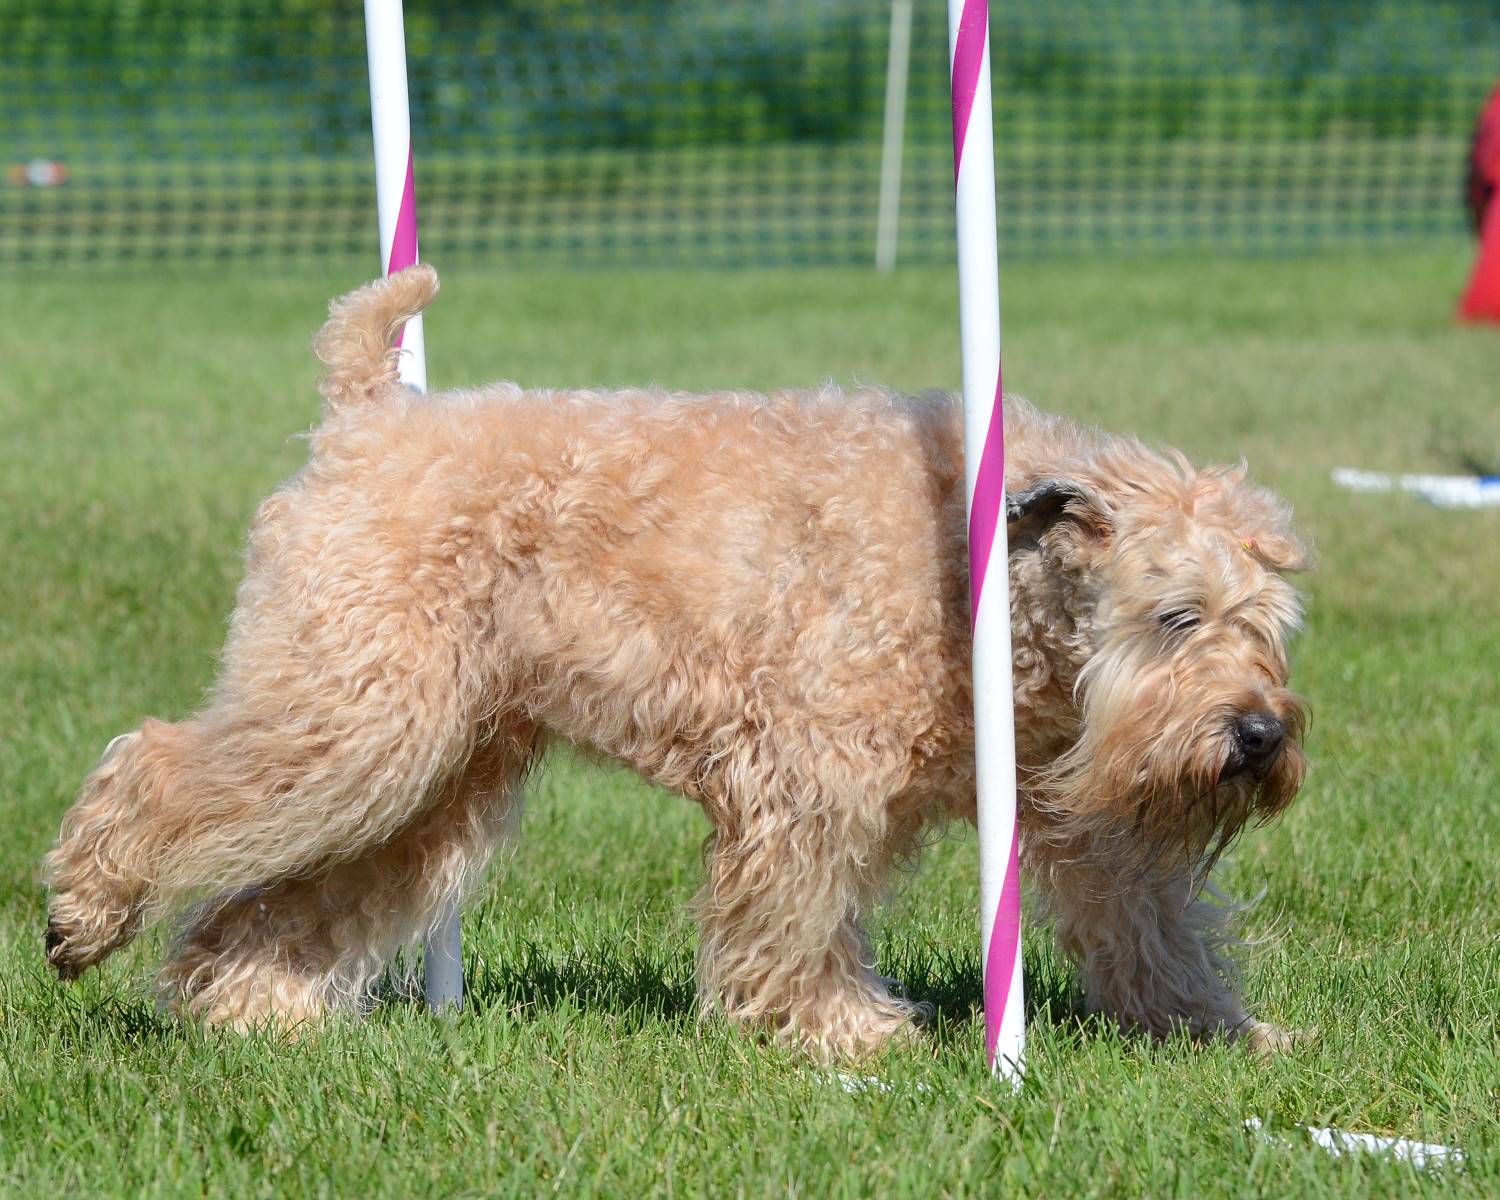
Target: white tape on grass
{"type": "Point", "coordinates": [855, 1084]}
{"type": "Point", "coordinates": [1338, 1142]}
{"type": "Point", "coordinates": [1444, 491]}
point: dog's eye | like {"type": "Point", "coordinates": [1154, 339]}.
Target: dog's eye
{"type": "Point", "coordinates": [1178, 620]}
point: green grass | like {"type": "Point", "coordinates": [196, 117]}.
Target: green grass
{"type": "Point", "coordinates": [141, 420]}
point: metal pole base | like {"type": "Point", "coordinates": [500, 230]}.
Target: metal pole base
{"type": "Point", "coordinates": [443, 963]}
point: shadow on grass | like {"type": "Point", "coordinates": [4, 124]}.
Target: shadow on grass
{"type": "Point", "coordinates": [949, 982]}
{"type": "Point", "coordinates": [643, 986]}
{"type": "Point", "coordinates": [82, 1017]}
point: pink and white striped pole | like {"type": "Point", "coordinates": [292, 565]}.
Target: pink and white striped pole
{"type": "Point", "coordinates": [396, 205]}
{"type": "Point", "coordinates": [989, 578]}
{"type": "Point", "coordinates": [395, 195]}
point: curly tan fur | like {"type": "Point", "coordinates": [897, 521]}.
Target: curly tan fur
{"type": "Point", "coordinates": [756, 601]}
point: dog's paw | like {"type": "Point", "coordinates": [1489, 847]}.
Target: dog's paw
{"type": "Point", "coordinates": [873, 1029]}
{"type": "Point", "coordinates": [74, 943]}
{"type": "Point", "coordinates": [58, 958]}
{"type": "Point", "coordinates": [1267, 1041]}
{"type": "Point", "coordinates": [63, 954]}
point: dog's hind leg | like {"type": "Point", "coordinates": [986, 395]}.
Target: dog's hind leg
{"type": "Point", "coordinates": [318, 943]}
{"type": "Point", "coordinates": [322, 761]}
{"type": "Point", "coordinates": [96, 899]}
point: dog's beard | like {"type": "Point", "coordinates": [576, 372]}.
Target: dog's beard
{"type": "Point", "coordinates": [1155, 769]}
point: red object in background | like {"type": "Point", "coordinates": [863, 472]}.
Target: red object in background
{"type": "Point", "coordinates": [1481, 299]}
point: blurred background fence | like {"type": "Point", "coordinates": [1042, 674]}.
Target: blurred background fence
{"type": "Point", "coordinates": [732, 132]}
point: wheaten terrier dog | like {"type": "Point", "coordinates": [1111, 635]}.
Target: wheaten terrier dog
{"type": "Point", "coordinates": [758, 602]}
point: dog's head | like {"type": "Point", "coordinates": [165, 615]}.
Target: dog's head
{"type": "Point", "coordinates": [1178, 613]}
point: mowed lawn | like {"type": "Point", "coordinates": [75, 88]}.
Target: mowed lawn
{"type": "Point", "coordinates": [141, 419]}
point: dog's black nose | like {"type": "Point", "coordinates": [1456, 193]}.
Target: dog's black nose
{"type": "Point", "coordinates": [1259, 737]}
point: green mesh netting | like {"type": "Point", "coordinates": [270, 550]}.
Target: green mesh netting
{"type": "Point", "coordinates": [732, 132]}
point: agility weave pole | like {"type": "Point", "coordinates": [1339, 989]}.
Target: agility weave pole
{"type": "Point", "coordinates": [989, 589]}
{"type": "Point", "coordinates": [396, 204]}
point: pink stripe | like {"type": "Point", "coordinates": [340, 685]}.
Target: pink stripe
{"type": "Point", "coordinates": [404, 240]}
{"type": "Point", "coordinates": [1005, 944]}
{"type": "Point", "coordinates": [989, 501]}
{"type": "Point", "coordinates": [968, 54]}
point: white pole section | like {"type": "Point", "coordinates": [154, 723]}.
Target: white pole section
{"type": "Point", "coordinates": [897, 63]}
{"type": "Point", "coordinates": [395, 198]}
{"type": "Point", "coordinates": [989, 578]}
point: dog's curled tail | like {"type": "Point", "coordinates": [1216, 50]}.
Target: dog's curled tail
{"type": "Point", "coordinates": [358, 342]}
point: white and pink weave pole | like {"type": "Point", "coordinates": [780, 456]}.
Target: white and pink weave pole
{"type": "Point", "coordinates": [989, 578]}
{"type": "Point", "coordinates": [396, 204]}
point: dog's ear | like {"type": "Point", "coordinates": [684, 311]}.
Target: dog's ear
{"type": "Point", "coordinates": [1280, 550]}
{"type": "Point", "coordinates": [1031, 512]}
{"type": "Point", "coordinates": [1257, 516]}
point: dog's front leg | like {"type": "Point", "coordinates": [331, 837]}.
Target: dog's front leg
{"type": "Point", "coordinates": [782, 946]}
{"type": "Point", "coordinates": [1152, 952]}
